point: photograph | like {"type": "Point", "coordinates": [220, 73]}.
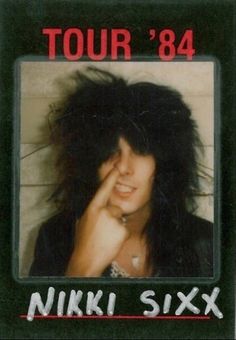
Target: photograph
{"type": "Point", "coordinates": [116, 169]}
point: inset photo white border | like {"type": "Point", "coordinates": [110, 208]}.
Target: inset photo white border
{"type": "Point", "coordinates": [40, 86]}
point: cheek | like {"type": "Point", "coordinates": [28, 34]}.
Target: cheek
{"type": "Point", "coordinates": [149, 183]}
{"type": "Point", "coordinates": [148, 175]}
{"type": "Point", "coordinates": [148, 171]}
{"type": "Point", "coordinates": [153, 175]}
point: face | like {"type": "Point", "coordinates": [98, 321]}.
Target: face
{"type": "Point", "coordinates": [132, 191]}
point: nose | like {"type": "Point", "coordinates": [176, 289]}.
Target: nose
{"type": "Point", "coordinates": [124, 164]}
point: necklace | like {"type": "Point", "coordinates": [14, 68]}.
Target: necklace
{"type": "Point", "coordinates": [118, 271]}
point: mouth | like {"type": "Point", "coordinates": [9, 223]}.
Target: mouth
{"type": "Point", "coordinates": [124, 189]}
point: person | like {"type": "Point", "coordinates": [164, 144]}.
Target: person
{"type": "Point", "coordinates": [127, 180]}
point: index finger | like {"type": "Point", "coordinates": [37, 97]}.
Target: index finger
{"type": "Point", "coordinates": [102, 196]}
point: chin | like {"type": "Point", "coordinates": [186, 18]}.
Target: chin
{"type": "Point", "coordinates": [128, 210]}
{"type": "Point", "coordinates": [127, 207]}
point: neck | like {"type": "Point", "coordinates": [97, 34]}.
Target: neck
{"type": "Point", "coordinates": [136, 221]}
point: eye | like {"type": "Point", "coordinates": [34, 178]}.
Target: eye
{"type": "Point", "coordinates": [114, 154]}
{"type": "Point", "coordinates": [110, 155]}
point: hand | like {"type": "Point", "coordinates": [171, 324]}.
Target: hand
{"type": "Point", "coordinates": [100, 233]}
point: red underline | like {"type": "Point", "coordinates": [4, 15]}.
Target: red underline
{"type": "Point", "coordinates": [129, 317]}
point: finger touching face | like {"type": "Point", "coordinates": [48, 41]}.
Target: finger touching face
{"type": "Point", "coordinates": [103, 194]}
{"type": "Point", "coordinates": [132, 188]}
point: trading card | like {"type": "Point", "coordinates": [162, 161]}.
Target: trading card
{"type": "Point", "coordinates": [118, 152]}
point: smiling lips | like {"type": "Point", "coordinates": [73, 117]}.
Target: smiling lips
{"type": "Point", "coordinates": [124, 190]}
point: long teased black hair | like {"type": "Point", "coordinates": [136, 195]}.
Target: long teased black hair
{"type": "Point", "coordinates": [154, 120]}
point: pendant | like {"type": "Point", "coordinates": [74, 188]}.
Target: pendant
{"type": "Point", "coordinates": [135, 261]}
